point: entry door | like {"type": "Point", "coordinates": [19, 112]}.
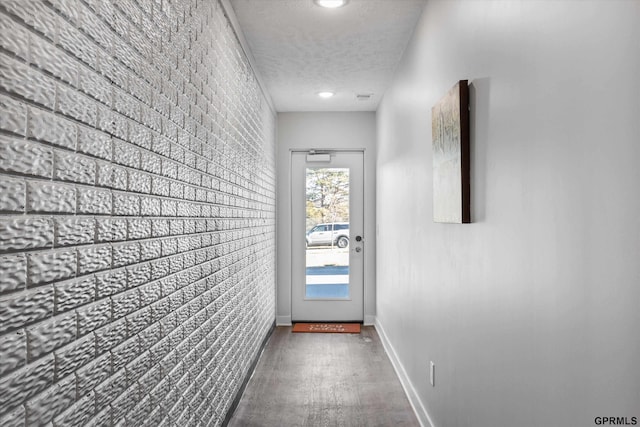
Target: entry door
{"type": "Point", "coordinates": [327, 236]}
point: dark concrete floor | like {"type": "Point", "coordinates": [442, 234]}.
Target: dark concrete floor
{"type": "Point", "coordinates": [315, 380]}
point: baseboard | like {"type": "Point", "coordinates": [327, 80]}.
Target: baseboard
{"type": "Point", "coordinates": [283, 320]}
{"type": "Point", "coordinates": [252, 368]}
{"type": "Point", "coordinates": [421, 412]}
{"type": "Point", "coordinates": [369, 320]}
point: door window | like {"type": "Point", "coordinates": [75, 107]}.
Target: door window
{"type": "Point", "coordinates": [327, 255]}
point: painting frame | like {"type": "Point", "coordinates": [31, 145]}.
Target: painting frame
{"type": "Point", "coordinates": [450, 132]}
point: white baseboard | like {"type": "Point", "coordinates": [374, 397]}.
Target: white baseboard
{"type": "Point", "coordinates": [283, 320]}
{"type": "Point", "coordinates": [410, 391]}
{"type": "Point", "coordinates": [369, 320]}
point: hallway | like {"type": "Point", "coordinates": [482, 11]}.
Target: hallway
{"type": "Point", "coordinates": [324, 380]}
{"type": "Point", "coordinates": [152, 154]}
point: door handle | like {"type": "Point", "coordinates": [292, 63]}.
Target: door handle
{"type": "Point", "coordinates": [358, 249]}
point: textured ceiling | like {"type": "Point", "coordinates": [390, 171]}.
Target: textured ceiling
{"type": "Point", "coordinates": [301, 49]}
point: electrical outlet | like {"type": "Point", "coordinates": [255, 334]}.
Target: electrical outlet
{"type": "Point", "coordinates": [432, 374]}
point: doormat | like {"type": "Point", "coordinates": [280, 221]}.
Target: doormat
{"type": "Point", "coordinates": [327, 328]}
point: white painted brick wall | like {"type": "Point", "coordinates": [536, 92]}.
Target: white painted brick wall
{"type": "Point", "coordinates": [137, 204]}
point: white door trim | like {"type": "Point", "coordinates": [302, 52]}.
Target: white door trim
{"type": "Point", "coordinates": [359, 199]}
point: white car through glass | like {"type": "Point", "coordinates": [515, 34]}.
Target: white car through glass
{"type": "Point", "coordinates": [329, 234]}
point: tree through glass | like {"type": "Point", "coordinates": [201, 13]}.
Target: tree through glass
{"type": "Point", "coordinates": [327, 237]}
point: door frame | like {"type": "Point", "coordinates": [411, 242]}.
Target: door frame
{"type": "Point", "coordinates": [354, 254]}
{"type": "Point", "coordinates": [297, 143]}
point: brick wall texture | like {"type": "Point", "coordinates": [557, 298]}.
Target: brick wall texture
{"type": "Point", "coordinates": [137, 229]}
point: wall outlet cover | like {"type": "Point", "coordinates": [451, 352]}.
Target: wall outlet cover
{"type": "Point", "coordinates": [432, 374]}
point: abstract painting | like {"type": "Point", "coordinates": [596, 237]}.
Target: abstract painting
{"type": "Point", "coordinates": [450, 138]}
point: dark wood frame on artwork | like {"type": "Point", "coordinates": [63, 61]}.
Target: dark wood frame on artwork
{"type": "Point", "coordinates": [465, 147]}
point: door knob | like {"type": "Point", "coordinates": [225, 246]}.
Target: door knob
{"type": "Point", "coordinates": [358, 238]}
{"type": "Point", "coordinates": [358, 249]}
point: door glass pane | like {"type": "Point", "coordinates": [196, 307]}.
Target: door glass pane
{"type": "Point", "coordinates": [327, 237]}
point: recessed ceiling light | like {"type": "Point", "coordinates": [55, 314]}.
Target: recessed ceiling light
{"type": "Point", "coordinates": [330, 4]}
{"type": "Point", "coordinates": [325, 94]}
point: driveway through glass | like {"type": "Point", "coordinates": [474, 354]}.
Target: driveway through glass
{"type": "Point", "coordinates": [327, 273]}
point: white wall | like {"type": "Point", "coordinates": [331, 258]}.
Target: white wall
{"type": "Point", "coordinates": [137, 213]}
{"type": "Point", "coordinates": [531, 313]}
{"type": "Point", "coordinates": [343, 131]}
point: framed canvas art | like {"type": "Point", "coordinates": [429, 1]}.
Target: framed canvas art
{"type": "Point", "coordinates": [450, 139]}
